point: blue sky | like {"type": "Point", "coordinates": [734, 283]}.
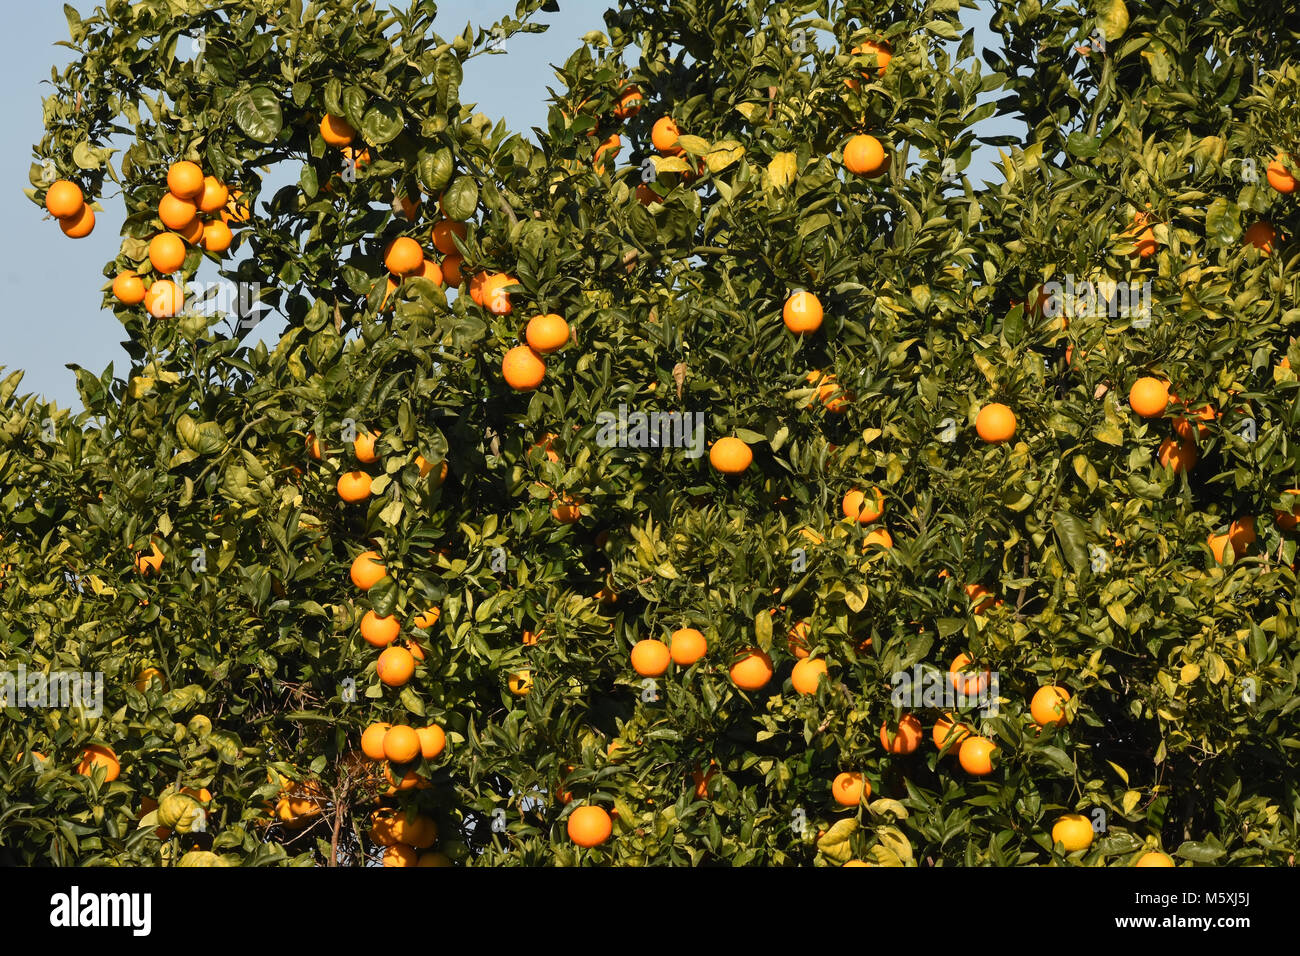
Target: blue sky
{"type": "Point", "coordinates": [52, 284]}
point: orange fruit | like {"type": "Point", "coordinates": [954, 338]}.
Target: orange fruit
{"type": "Point", "coordinates": [364, 446]}
{"type": "Point", "coordinates": [864, 155]}
{"type": "Point", "coordinates": [354, 486]}
{"type": "Point", "coordinates": [431, 271]}
{"type": "Point", "coordinates": [610, 147]}
{"type": "Point", "coordinates": [1179, 455]}
{"type": "Point", "coordinates": [409, 781]}
{"type": "Point", "coordinates": [730, 455]}
{"type": "Point", "coordinates": [395, 667]}
{"type": "Point", "coordinates": [428, 618]}
{"type": "Point", "coordinates": [368, 570]}
{"type": "Point", "coordinates": [217, 237]}
{"type": "Point", "coordinates": [1262, 236]}
{"type": "Point", "coordinates": [995, 423]}
{"type": "Point", "coordinates": [807, 674]}
{"type": "Point", "coordinates": [164, 299]}
{"type": "Point", "coordinates": [432, 741]}
{"type": "Point", "coordinates": [1073, 831]}
{"type": "Point", "coordinates": [663, 136]}
{"type": "Point", "coordinates": [832, 397]}
{"type": "Point", "coordinates": [589, 826]}
{"type": "Point", "coordinates": [128, 288]}
{"type": "Point", "coordinates": [1048, 705]}
{"type": "Point", "coordinates": [629, 102]}
{"type": "Point", "coordinates": [433, 859]}
{"type": "Point", "coordinates": [444, 233]}
{"type": "Point", "coordinates": [948, 733]}
{"type": "Point", "coordinates": [147, 676]}
{"type": "Point", "coordinates": [1149, 396]}
{"type": "Point", "coordinates": [150, 563]}
{"type": "Point", "coordinates": [1155, 857]}
{"type": "Point", "coordinates": [522, 368]}
{"type": "Point", "coordinates": [98, 756]}
{"type": "Point", "coordinates": [530, 639]}
{"type": "Point", "coordinates": [1285, 521]}
{"type": "Point", "coordinates": [802, 313]}
{"type": "Point", "coordinates": [850, 789]}
{"type": "Point", "coordinates": [476, 287]}
{"type": "Point", "coordinates": [401, 744]}
{"type": "Point", "coordinates": [1278, 176]}
{"type": "Point", "coordinates": [752, 670]}
{"type": "Point", "coordinates": [962, 680]}
{"type": "Point", "coordinates": [882, 51]}
{"type": "Point", "coordinates": [905, 739]}
{"type": "Point", "coordinates": [404, 257]}
{"type": "Point", "coordinates": [166, 252]}
{"type": "Point", "coordinates": [567, 510]}
{"type": "Point", "coordinates": [547, 333]}
{"type": "Point", "coordinates": [336, 131]}
{"type": "Point", "coordinates": [495, 299]}
{"type": "Point", "coordinates": [372, 740]}
{"type": "Point", "coordinates": [796, 640]}
{"type": "Point", "coordinates": [379, 631]}
{"type": "Point", "coordinates": [976, 755]}
{"type": "Point", "coordinates": [856, 506]}
{"type": "Point", "coordinates": [400, 855]}
{"type": "Point", "coordinates": [64, 199]}
{"type": "Point", "coordinates": [1240, 534]}
{"type": "Point", "coordinates": [1185, 429]}
{"type": "Point", "coordinates": [185, 180]}
{"type": "Point", "coordinates": [215, 195]}
{"type": "Point", "coordinates": [176, 213]}
{"type": "Point", "coordinates": [650, 658]}
{"type": "Point", "coordinates": [193, 233]}
{"type": "Point", "coordinates": [79, 226]}
{"type": "Point", "coordinates": [520, 682]}
{"type": "Point", "coordinates": [687, 645]}
{"type": "Point", "coordinates": [234, 210]}
{"type": "Point", "coordinates": [880, 536]}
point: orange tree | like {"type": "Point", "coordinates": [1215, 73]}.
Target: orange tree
{"type": "Point", "coordinates": [392, 588]}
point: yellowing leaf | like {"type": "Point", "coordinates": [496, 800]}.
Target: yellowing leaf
{"type": "Point", "coordinates": [1131, 798]}
{"type": "Point", "coordinates": [723, 155]}
{"type": "Point", "coordinates": [750, 110]}
{"type": "Point", "coordinates": [670, 164]}
{"type": "Point", "coordinates": [1113, 21]}
{"type": "Point", "coordinates": [781, 171]}
{"type": "Point", "coordinates": [1189, 673]}
{"type": "Point", "coordinates": [835, 843]}
{"type": "Point", "coordinates": [694, 145]}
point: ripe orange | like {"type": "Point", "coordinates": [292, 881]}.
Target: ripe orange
{"type": "Point", "coordinates": [856, 506]}
{"type": "Point", "coordinates": [948, 733]}
{"type": "Point", "coordinates": [215, 195]}
{"type": "Point", "coordinates": [1155, 857]}
{"type": "Point", "coordinates": [166, 252]}
{"type": "Point", "coordinates": [1048, 705]}
{"type": "Point", "coordinates": [1149, 396]}
{"type": "Point", "coordinates": [401, 744]}
{"type": "Point", "coordinates": [364, 446]}
{"type": "Point", "coordinates": [976, 755]}
{"type": "Point", "coordinates": [444, 233]}
{"type": "Point", "coordinates": [147, 676]}
{"type": "Point", "coordinates": [520, 682]}
{"type": "Point", "coordinates": [431, 271]}
{"type": "Point", "coordinates": [98, 756]}
{"type": "Point", "coordinates": [547, 333]}
{"type": "Point", "coordinates": [429, 618]}
{"type": "Point", "coordinates": [965, 682]}
{"type": "Point", "coordinates": [995, 423]}
{"type": "Point", "coordinates": [336, 131]}
{"type": "Point", "coordinates": [176, 213]}
{"type": "Point", "coordinates": [650, 657]}
{"type": "Point", "coordinates": [522, 368]}
{"type": "Point", "coordinates": [1073, 831]}
{"type": "Point", "coordinates": [451, 270]}
{"type": "Point", "coordinates": [64, 199]}
{"type": "Point", "coordinates": [185, 180]}
{"type": "Point", "coordinates": [368, 570]}
{"type": "Point", "coordinates": [880, 536]}
{"type": "Point", "coordinates": [1241, 535]}
{"type": "Point", "coordinates": [752, 671]}
{"type": "Point", "coordinates": [476, 287]}
{"type": "Point", "coordinates": [610, 147]}
{"type": "Point", "coordinates": [404, 257]}
{"type": "Point", "coordinates": [1179, 455]}
{"type": "Point", "coordinates": [589, 826]}
{"type": "Point", "coordinates": [802, 313]}
{"type": "Point", "coordinates": [217, 237]}
{"type": "Point", "coordinates": [807, 674]}
{"type": "Point", "coordinates": [687, 645]}
{"type": "Point", "coordinates": [395, 667]}
{"type": "Point", "coordinates": [796, 639]}
{"type": "Point", "coordinates": [379, 631]}
{"type": "Point", "coordinates": [882, 51]}
{"type": "Point", "coordinates": [354, 486]}
{"type": "Point", "coordinates": [164, 299]}
{"type": "Point", "coordinates": [663, 135]}
{"type": "Point", "coordinates": [150, 563]}
{"type": "Point", "coordinates": [1184, 428]}
{"type": "Point", "coordinates": [1278, 176]}
{"type": "Point", "coordinates": [79, 226]}
{"type": "Point", "coordinates": [730, 455]}
{"type": "Point", "coordinates": [234, 210]}
{"type": "Point", "coordinates": [832, 397]}
{"type": "Point", "coordinates": [432, 741]}
{"type": "Point", "coordinates": [850, 789]}
{"type": "Point", "coordinates": [864, 155]}
{"type": "Point", "coordinates": [372, 740]}
{"type": "Point", "coordinates": [128, 288]}
{"type": "Point", "coordinates": [905, 739]}
{"type": "Point", "coordinates": [495, 299]}
{"type": "Point", "coordinates": [400, 855]}
{"type": "Point", "coordinates": [192, 233]}
{"type": "Point", "coordinates": [1262, 236]}
{"type": "Point", "coordinates": [629, 102]}
{"type": "Point", "coordinates": [1285, 521]}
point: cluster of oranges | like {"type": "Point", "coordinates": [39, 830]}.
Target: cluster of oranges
{"type": "Point", "coordinates": [66, 203]}
{"type": "Point", "coordinates": [402, 836]}
{"type": "Point", "coordinates": [196, 210]}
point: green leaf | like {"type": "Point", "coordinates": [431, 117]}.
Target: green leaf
{"type": "Point", "coordinates": [460, 201]}
{"type": "Point", "coordinates": [1072, 535]}
{"type": "Point", "coordinates": [1113, 20]}
{"type": "Point", "coordinates": [382, 124]}
{"type": "Point", "coordinates": [1199, 852]}
{"type": "Point", "coordinates": [257, 114]}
